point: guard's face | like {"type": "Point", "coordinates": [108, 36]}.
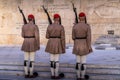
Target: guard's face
{"type": "Point", "coordinates": [82, 19]}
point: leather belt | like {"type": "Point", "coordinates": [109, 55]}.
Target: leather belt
{"type": "Point", "coordinates": [81, 38]}
{"type": "Point", "coordinates": [29, 36]}
{"type": "Point", "coordinates": [55, 37]}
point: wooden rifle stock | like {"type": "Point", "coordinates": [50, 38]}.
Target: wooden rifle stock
{"type": "Point", "coordinates": [24, 19]}
{"type": "Point", "coordinates": [74, 9]}
{"type": "Point", "coordinates": [49, 19]}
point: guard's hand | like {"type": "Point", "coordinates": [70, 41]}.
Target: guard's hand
{"type": "Point", "coordinates": [90, 50]}
{"type": "Point", "coordinates": [38, 47]}
{"type": "Point", "coordinates": [63, 50]}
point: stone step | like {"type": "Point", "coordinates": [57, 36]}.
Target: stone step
{"type": "Point", "coordinates": [96, 71]}
{"type": "Point", "coordinates": [40, 64]}
{"type": "Point", "coordinates": [63, 69]}
{"type": "Point", "coordinates": [71, 76]}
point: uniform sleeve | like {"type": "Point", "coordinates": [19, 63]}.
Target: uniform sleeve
{"type": "Point", "coordinates": [63, 39]}
{"type": "Point", "coordinates": [73, 33]}
{"type": "Point", "coordinates": [47, 33]}
{"type": "Point", "coordinates": [22, 32]}
{"type": "Point", "coordinates": [37, 35]}
{"type": "Point", "coordinates": [89, 38]}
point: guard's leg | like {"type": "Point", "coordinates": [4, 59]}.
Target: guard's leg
{"type": "Point", "coordinates": [31, 65]}
{"type": "Point", "coordinates": [83, 66]}
{"type": "Point", "coordinates": [78, 66]}
{"type": "Point", "coordinates": [26, 59]}
{"type": "Point", "coordinates": [56, 65]}
{"type": "Point", "coordinates": [52, 65]}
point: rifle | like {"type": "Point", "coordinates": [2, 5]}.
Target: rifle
{"type": "Point", "coordinates": [60, 21]}
{"type": "Point", "coordinates": [24, 19]}
{"type": "Point", "coordinates": [49, 19]}
{"type": "Point", "coordinates": [74, 9]}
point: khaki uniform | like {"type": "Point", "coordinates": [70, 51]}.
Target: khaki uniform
{"type": "Point", "coordinates": [55, 46]}
{"type": "Point", "coordinates": [30, 44]}
{"type": "Point", "coordinates": [56, 35]}
{"type": "Point", "coordinates": [30, 33]}
{"type": "Point", "coordinates": [81, 34]}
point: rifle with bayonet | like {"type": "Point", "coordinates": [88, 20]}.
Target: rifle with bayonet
{"type": "Point", "coordinates": [24, 19]}
{"type": "Point", "coordinates": [49, 19]}
{"type": "Point", "coordinates": [74, 9]}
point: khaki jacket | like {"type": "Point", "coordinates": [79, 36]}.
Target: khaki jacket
{"type": "Point", "coordinates": [30, 44]}
{"type": "Point", "coordinates": [81, 34]}
{"type": "Point", "coordinates": [55, 45]}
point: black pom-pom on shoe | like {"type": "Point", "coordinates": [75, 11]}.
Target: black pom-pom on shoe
{"type": "Point", "coordinates": [87, 77]}
{"type": "Point", "coordinates": [35, 74]}
{"type": "Point", "coordinates": [62, 75]}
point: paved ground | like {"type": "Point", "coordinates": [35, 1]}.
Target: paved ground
{"type": "Point", "coordinates": [15, 55]}
{"type": "Point", "coordinates": [10, 77]}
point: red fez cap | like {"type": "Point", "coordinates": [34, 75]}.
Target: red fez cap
{"type": "Point", "coordinates": [82, 14]}
{"type": "Point", "coordinates": [56, 16]}
{"type": "Point", "coordinates": [31, 16]}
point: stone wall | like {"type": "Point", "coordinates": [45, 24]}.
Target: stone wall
{"type": "Point", "coordinates": [102, 15]}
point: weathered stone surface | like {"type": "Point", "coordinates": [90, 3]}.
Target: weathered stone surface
{"type": "Point", "coordinates": [102, 15]}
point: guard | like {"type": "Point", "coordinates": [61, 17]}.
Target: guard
{"type": "Point", "coordinates": [81, 34]}
{"type": "Point", "coordinates": [30, 33]}
{"type": "Point", "coordinates": [56, 45]}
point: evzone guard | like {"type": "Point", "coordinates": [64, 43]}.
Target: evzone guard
{"type": "Point", "coordinates": [30, 33]}
{"type": "Point", "coordinates": [81, 34]}
{"type": "Point", "coordinates": [56, 43]}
